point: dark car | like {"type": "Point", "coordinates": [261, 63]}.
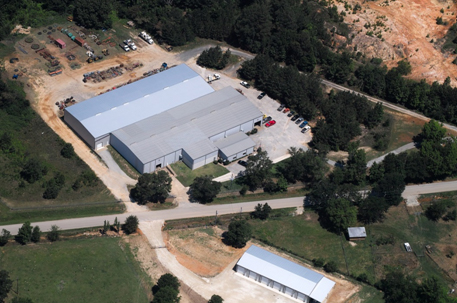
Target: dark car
{"type": "Point", "coordinates": [267, 119]}
{"type": "Point", "coordinates": [299, 120]}
{"type": "Point", "coordinates": [303, 124]}
{"type": "Point", "coordinates": [281, 107]}
{"type": "Point", "coordinates": [291, 113]}
{"type": "Point", "coordinates": [262, 94]}
{"type": "Point", "coordinates": [245, 84]}
{"type": "Point", "coordinates": [295, 117]}
{"type": "Point", "coordinates": [243, 163]}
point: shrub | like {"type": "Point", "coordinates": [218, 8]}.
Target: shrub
{"type": "Point", "coordinates": [435, 211]}
{"type": "Point", "coordinates": [4, 237]}
{"type": "Point", "coordinates": [243, 190]}
{"type": "Point", "coordinates": [254, 131]}
{"type": "Point", "coordinates": [68, 151]}
{"type": "Point", "coordinates": [319, 262]}
{"type": "Point", "coordinates": [131, 224]}
{"type": "Point", "coordinates": [450, 216]}
{"type": "Point", "coordinates": [33, 170]}
{"type": "Point", "coordinates": [330, 266]}
{"type": "Point", "coordinates": [54, 234]}
{"type": "Point", "coordinates": [36, 234]}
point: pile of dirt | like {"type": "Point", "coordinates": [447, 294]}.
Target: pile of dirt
{"type": "Point", "coordinates": [404, 29]}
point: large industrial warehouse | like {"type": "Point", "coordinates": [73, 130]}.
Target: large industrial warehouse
{"type": "Point", "coordinates": [171, 116]}
{"type": "Point", "coordinates": [283, 275]}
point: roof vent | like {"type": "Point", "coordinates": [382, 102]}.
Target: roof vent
{"type": "Point", "coordinates": [146, 96]}
{"type": "Point", "coordinates": [186, 80]}
{"type": "Point", "coordinates": [114, 108]}
{"type": "Point", "coordinates": [166, 88]}
{"type": "Point", "coordinates": [126, 103]}
{"type": "Point", "coordinates": [98, 114]}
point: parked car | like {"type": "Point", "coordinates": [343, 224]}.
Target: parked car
{"type": "Point", "coordinates": [295, 117]}
{"type": "Point", "coordinates": [303, 124]}
{"type": "Point", "coordinates": [286, 110]}
{"type": "Point", "coordinates": [267, 119]}
{"type": "Point", "coordinates": [281, 107]}
{"type": "Point", "coordinates": [271, 123]}
{"type": "Point", "coordinates": [291, 113]}
{"type": "Point", "coordinates": [243, 163]}
{"type": "Point", "coordinates": [124, 47]}
{"type": "Point", "coordinates": [306, 128]}
{"type": "Point", "coordinates": [262, 94]}
{"type": "Point", "coordinates": [245, 84]}
{"type": "Point", "coordinates": [299, 120]}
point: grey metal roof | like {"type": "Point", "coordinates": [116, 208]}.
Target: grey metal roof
{"type": "Point", "coordinates": [286, 272]}
{"type": "Point", "coordinates": [357, 232]}
{"type": "Point", "coordinates": [141, 99]}
{"type": "Point", "coordinates": [234, 143]}
{"type": "Point", "coordinates": [186, 124]}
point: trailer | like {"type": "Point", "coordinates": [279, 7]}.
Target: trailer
{"type": "Point", "coordinates": [80, 41]}
{"type": "Point", "coordinates": [146, 37]}
{"type": "Point", "coordinates": [60, 43]}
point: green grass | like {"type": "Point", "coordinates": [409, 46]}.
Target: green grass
{"type": "Point", "coordinates": [126, 167]}
{"type": "Point", "coordinates": [259, 196]}
{"type": "Point", "coordinates": [79, 270]}
{"type": "Point", "coordinates": [186, 176]}
{"type": "Point", "coordinates": [8, 216]}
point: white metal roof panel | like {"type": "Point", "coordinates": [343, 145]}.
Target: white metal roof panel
{"type": "Point", "coordinates": [357, 232]}
{"type": "Point", "coordinates": [141, 99]}
{"type": "Point", "coordinates": [286, 272]}
{"type": "Point", "coordinates": [234, 143]}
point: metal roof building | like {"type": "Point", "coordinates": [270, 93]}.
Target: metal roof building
{"type": "Point", "coordinates": [357, 233]}
{"type": "Point", "coordinates": [152, 126]}
{"type": "Point", "coordinates": [283, 275]}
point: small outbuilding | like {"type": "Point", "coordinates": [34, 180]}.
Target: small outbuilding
{"type": "Point", "coordinates": [60, 43]}
{"type": "Point", "coordinates": [357, 233]}
{"type": "Point", "coordinates": [80, 41]}
{"type": "Point", "coordinates": [285, 276]}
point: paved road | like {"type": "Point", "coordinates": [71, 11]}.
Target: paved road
{"type": "Point", "coordinates": [191, 211]}
{"type": "Point", "coordinates": [395, 151]}
{"type": "Point", "coordinates": [414, 190]}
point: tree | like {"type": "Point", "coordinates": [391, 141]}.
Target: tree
{"type": "Point", "coordinates": [5, 285]}
{"type": "Point", "coordinates": [356, 165]}
{"type": "Point", "coordinates": [166, 295]}
{"type": "Point", "coordinates": [131, 224]}
{"type": "Point", "coordinates": [216, 299]}
{"type": "Point", "coordinates": [33, 170]}
{"type": "Point", "coordinates": [399, 289]}
{"type": "Point", "coordinates": [238, 234]}
{"type": "Point", "coordinates": [54, 234]}
{"type": "Point", "coordinates": [261, 212]}
{"type": "Point", "coordinates": [435, 211]}
{"type": "Point", "coordinates": [24, 234]}
{"type": "Point", "coordinates": [338, 214]}
{"type": "Point", "coordinates": [106, 227]}
{"type": "Point", "coordinates": [4, 237]}
{"type": "Point", "coordinates": [214, 58]}
{"type": "Point", "coordinates": [330, 266]}
{"type": "Point", "coordinates": [68, 151]}
{"type": "Point", "coordinates": [168, 280]}
{"type": "Point", "coordinates": [204, 189]}
{"type": "Point", "coordinates": [305, 166]}
{"type": "Point", "coordinates": [372, 210]}
{"type": "Point", "coordinates": [153, 187]}
{"type": "Point", "coordinates": [433, 131]}
{"type": "Point", "coordinates": [258, 170]}
{"type": "Point", "coordinates": [36, 234]}
{"type": "Point", "coordinates": [390, 187]}
{"type": "Point", "coordinates": [93, 13]}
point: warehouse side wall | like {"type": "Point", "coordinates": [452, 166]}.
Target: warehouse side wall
{"type": "Point", "coordinates": [127, 154]}
{"type": "Point", "coordinates": [79, 129]}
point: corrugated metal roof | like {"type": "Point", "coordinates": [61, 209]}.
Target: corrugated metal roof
{"type": "Point", "coordinates": [286, 272]}
{"type": "Point", "coordinates": [234, 143]}
{"type": "Point", "coordinates": [188, 123]}
{"type": "Point", "coordinates": [150, 96]}
{"type": "Point", "coordinates": [357, 232]}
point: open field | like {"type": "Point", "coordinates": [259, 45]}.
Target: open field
{"type": "Point", "coordinates": [186, 176]}
{"type": "Point", "coordinates": [80, 270]}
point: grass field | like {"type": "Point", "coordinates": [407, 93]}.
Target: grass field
{"type": "Point", "coordinates": [80, 270]}
{"type": "Point", "coordinates": [186, 176]}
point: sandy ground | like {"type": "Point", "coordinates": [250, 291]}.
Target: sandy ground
{"type": "Point", "coordinates": [410, 25]}
{"type": "Point", "coordinates": [224, 283]}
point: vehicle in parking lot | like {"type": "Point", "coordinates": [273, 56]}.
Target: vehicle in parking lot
{"type": "Point", "coordinates": [295, 117]}
{"type": "Point", "coordinates": [306, 128]}
{"type": "Point", "coordinates": [303, 124]}
{"type": "Point", "coordinates": [271, 123]}
{"type": "Point", "coordinates": [281, 107]}
{"type": "Point", "coordinates": [291, 113]}
{"type": "Point", "coordinates": [245, 84]}
{"type": "Point", "coordinates": [286, 110]}
{"type": "Point", "coordinates": [267, 119]}
{"type": "Point", "coordinates": [262, 94]}
{"type": "Point", "coordinates": [299, 120]}
{"type": "Point", "coordinates": [243, 163]}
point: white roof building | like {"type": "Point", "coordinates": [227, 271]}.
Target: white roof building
{"type": "Point", "coordinates": [283, 275]}
{"type": "Point", "coordinates": [357, 233]}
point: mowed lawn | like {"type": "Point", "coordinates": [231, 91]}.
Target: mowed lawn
{"type": "Point", "coordinates": [186, 176]}
{"type": "Point", "coordinates": [81, 270]}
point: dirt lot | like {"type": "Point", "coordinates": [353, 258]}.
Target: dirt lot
{"type": "Point", "coordinates": [406, 28]}
{"type": "Point", "coordinates": [191, 247]}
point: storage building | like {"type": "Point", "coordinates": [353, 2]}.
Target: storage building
{"type": "Point", "coordinates": [357, 233]}
{"type": "Point", "coordinates": [60, 43]}
{"type": "Point", "coordinates": [283, 275]}
{"type": "Point", "coordinates": [171, 116]}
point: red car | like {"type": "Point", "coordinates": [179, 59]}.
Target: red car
{"type": "Point", "coordinates": [271, 123]}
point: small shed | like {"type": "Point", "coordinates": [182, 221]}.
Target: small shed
{"type": "Point", "coordinates": [80, 41]}
{"type": "Point", "coordinates": [357, 233]}
{"type": "Point", "coordinates": [60, 43]}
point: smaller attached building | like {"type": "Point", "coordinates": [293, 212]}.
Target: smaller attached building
{"type": "Point", "coordinates": [357, 233]}
{"type": "Point", "coordinates": [235, 146]}
{"type": "Point", "coordinates": [283, 275]}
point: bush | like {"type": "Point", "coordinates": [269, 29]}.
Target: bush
{"type": "Point", "coordinates": [450, 216]}
{"type": "Point", "coordinates": [168, 280]}
{"type": "Point", "coordinates": [24, 234]}
{"type": "Point", "coordinates": [36, 234]}
{"type": "Point", "coordinates": [319, 262]}
{"type": "Point", "coordinates": [131, 224]}
{"type": "Point", "coordinates": [330, 267]}
{"type": "Point", "coordinates": [214, 58]}
{"type": "Point", "coordinates": [68, 151]}
{"type": "Point", "coordinates": [254, 131]}
{"type": "Point", "coordinates": [238, 234]}
{"type": "Point", "coordinates": [54, 234]}
{"type": "Point", "coordinates": [363, 278]}
{"type": "Point", "coordinates": [4, 237]}
{"type": "Point", "coordinates": [243, 190]}
{"type": "Point", "coordinates": [435, 211]}
{"type": "Point", "coordinates": [216, 299]}
{"type": "Point", "coordinates": [33, 170]}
